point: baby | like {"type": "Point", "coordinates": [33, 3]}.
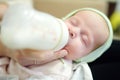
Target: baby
{"type": "Point", "coordinates": [88, 40]}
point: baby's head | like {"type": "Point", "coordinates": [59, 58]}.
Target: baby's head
{"type": "Point", "coordinates": [90, 34]}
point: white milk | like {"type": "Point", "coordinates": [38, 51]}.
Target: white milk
{"type": "Point", "coordinates": [26, 28]}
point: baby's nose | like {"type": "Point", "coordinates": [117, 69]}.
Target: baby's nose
{"type": "Point", "coordinates": [74, 32]}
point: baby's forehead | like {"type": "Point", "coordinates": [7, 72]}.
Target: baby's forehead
{"type": "Point", "coordinates": [90, 14]}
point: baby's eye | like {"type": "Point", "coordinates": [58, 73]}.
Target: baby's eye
{"type": "Point", "coordinates": [74, 22]}
{"type": "Point", "coordinates": [84, 39]}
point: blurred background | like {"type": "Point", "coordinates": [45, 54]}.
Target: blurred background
{"type": "Point", "coordinates": [61, 8]}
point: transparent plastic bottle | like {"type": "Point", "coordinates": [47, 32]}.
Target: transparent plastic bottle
{"type": "Point", "coordinates": [24, 27]}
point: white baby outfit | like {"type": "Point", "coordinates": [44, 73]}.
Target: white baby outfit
{"type": "Point", "coordinates": [55, 70]}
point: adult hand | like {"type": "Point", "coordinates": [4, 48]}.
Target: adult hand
{"type": "Point", "coordinates": [3, 8]}
{"type": "Point", "coordinates": [28, 58]}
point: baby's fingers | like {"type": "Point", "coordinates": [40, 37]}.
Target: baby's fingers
{"type": "Point", "coordinates": [61, 53]}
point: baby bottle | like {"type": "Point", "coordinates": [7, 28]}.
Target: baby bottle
{"type": "Point", "coordinates": [23, 27]}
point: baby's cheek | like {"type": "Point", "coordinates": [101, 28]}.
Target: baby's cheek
{"type": "Point", "coordinates": [70, 56]}
{"type": "Point", "coordinates": [75, 55]}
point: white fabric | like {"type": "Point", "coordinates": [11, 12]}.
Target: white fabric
{"type": "Point", "coordinates": [55, 70]}
{"type": "Point", "coordinates": [52, 71]}
{"type": "Point", "coordinates": [3, 64]}
{"type": "Point", "coordinates": [82, 72]}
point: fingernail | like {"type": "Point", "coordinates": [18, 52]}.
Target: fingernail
{"type": "Point", "coordinates": [64, 52]}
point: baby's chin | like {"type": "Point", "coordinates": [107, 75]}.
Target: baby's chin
{"type": "Point", "coordinates": [70, 57]}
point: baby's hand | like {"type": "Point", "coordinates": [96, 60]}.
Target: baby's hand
{"type": "Point", "coordinates": [41, 58]}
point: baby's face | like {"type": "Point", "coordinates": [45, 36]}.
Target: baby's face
{"type": "Point", "coordinates": [88, 31]}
